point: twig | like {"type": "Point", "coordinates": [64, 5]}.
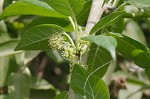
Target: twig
{"type": "Point", "coordinates": [95, 14]}
{"type": "Point", "coordinates": [1, 6]}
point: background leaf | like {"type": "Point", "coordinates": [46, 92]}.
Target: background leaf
{"type": "Point", "coordinates": [134, 31]}
{"type": "Point", "coordinates": [3, 32]}
{"type": "Point", "coordinates": [7, 48]}
{"type": "Point", "coordinates": [29, 56]}
{"type": "Point", "coordinates": [67, 7]}
{"type": "Point", "coordinates": [29, 7]}
{"type": "Point", "coordinates": [86, 85]}
{"type": "Point", "coordinates": [4, 68]}
{"type": "Point", "coordinates": [22, 84]}
{"type": "Point", "coordinates": [144, 4]}
{"type": "Point", "coordinates": [37, 37]}
{"type": "Point", "coordinates": [42, 94]}
{"type": "Point", "coordinates": [106, 21]}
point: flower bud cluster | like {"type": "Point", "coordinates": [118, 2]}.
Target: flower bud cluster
{"type": "Point", "coordinates": [69, 52]}
{"type": "Point", "coordinates": [83, 45]}
{"type": "Point", "coordinates": [56, 41]}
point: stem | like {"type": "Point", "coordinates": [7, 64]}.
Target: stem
{"type": "Point", "coordinates": [109, 2]}
{"type": "Point", "coordinates": [75, 26]}
{"type": "Point", "coordinates": [72, 22]}
{"type": "Point", "coordinates": [1, 6]}
{"type": "Point", "coordinates": [115, 3]}
{"type": "Point", "coordinates": [77, 35]}
{"type": "Point", "coordinates": [95, 14]}
{"type": "Point", "coordinates": [137, 15]}
{"type": "Point", "coordinates": [70, 39]}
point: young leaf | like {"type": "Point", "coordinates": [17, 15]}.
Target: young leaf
{"type": "Point", "coordinates": [97, 57]}
{"type": "Point", "coordinates": [87, 86]}
{"type": "Point", "coordinates": [63, 95]}
{"type": "Point", "coordinates": [106, 42]}
{"type": "Point", "coordinates": [67, 7]}
{"type": "Point", "coordinates": [37, 37]}
{"type": "Point", "coordinates": [143, 4]}
{"type": "Point", "coordinates": [106, 21]}
{"type": "Point", "coordinates": [29, 7]}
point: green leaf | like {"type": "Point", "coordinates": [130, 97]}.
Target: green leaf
{"type": "Point", "coordinates": [120, 23]}
{"type": "Point", "coordinates": [63, 95]}
{"type": "Point", "coordinates": [7, 48]}
{"type": "Point", "coordinates": [37, 37]}
{"type": "Point", "coordinates": [143, 60]}
{"type": "Point", "coordinates": [29, 7]}
{"type": "Point", "coordinates": [87, 86]}
{"type": "Point", "coordinates": [147, 70]}
{"type": "Point", "coordinates": [47, 20]}
{"type": "Point", "coordinates": [67, 7]}
{"type": "Point", "coordinates": [101, 52]}
{"type": "Point", "coordinates": [106, 21]}
{"type": "Point", "coordinates": [128, 46]}
{"type": "Point", "coordinates": [20, 84]}
{"type": "Point", "coordinates": [97, 57]}
{"type": "Point", "coordinates": [83, 15]}
{"type": "Point", "coordinates": [135, 50]}
{"type": "Point", "coordinates": [106, 42]}
{"type": "Point", "coordinates": [143, 4]}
